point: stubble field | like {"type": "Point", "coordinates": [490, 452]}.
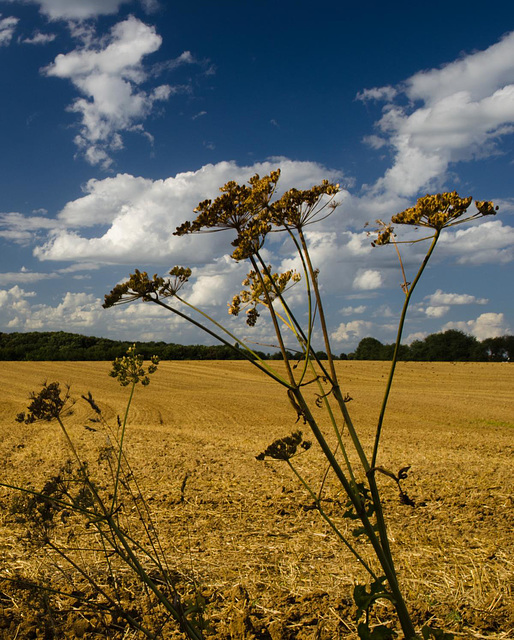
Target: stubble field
{"type": "Point", "coordinates": [245, 530]}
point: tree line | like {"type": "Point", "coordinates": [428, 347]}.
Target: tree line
{"type": "Point", "coordinates": [449, 346]}
{"type": "Point", "coordinates": [452, 345]}
{"type": "Point", "coordinates": [59, 345]}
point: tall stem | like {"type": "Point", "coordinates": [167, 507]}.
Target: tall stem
{"type": "Point", "coordinates": [397, 346]}
{"type": "Point", "coordinates": [120, 448]}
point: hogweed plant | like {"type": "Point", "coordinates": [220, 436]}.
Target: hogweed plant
{"type": "Point", "coordinates": [96, 514]}
{"type": "Point", "coordinates": [252, 212]}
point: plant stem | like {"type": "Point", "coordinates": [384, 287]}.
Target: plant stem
{"type": "Point", "coordinates": [120, 447]}
{"type": "Point", "coordinates": [397, 346]}
{"type": "Point", "coordinates": [330, 522]}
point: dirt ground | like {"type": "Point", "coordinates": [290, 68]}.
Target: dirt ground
{"type": "Point", "coordinates": [242, 532]}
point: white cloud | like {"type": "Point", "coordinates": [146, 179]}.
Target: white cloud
{"type": "Point", "coordinates": [75, 9]}
{"type": "Point", "coordinates": [437, 312]}
{"type": "Point", "coordinates": [478, 74]}
{"type": "Point", "coordinates": [216, 283]}
{"type": "Point", "coordinates": [367, 279]}
{"type": "Point", "coordinates": [490, 242]}
{"type": "Point", "coordinates": [350, 311]}
{"type": "Point", "coordinates": [107, 73]}
{"type": "Point", "coordinates": [418, 335]}
{"type": "Point", "coordinates": [22, 229]}
{"type": "Point", "coordinates": [439, 297]}
{"type": "Point", "coordinates": [142, 215]}
{"type": "Point", "coordinates": [76, 311]}
{"type": "Point", "coordinates": [7, 28]}
{"type": "Point", "coordinates": [458, 112]}
{"type": "Point", "coordinates": [377, 93]}
{"type": "Point", "coordinates": [40, 38]}
{"type": "Point", "coordinates": [24, 276]}
{"type": "Point", "coordinates": [487, 325]}
{"type": "Point", "coordinates": [351, 332]}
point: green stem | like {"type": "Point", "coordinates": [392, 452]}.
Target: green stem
{"type": "Point", "coordinates": [274, 320]}
{"type": "Point", "coordinates": [120, 447]}
{"type": "Point", "coordinates": [133, 561]}
{"type": "Point", "coordinates": [265, 369]}
{"type": "Point", "coordinates": [397, 345]}
{"type": "Point", "coordinates": [330, 522]}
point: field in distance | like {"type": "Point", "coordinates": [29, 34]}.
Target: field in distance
{"type": "Point", "coordinates": [247, 527]}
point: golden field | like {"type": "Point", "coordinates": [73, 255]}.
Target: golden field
{"type": "Point", "coordinates": [266, 563]}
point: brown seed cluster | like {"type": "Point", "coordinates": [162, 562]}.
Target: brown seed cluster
{"type": "Point", "coordinates": [261, 289]}
{"type": "Point", "coordinates": [285, 448]}
{"type": "Point", "coordinates": [140, 286]}
{"type": "Point", "coordinates": [436, 212]}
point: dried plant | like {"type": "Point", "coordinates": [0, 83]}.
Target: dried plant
{"type": "Point", "coordinates": [252, 212]}
{"type": "Point", "coordinates": [95, 514]}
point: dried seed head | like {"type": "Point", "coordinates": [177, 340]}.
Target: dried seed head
{"type": "Point", "coordinates": [47, 405]}
{"type": "Point", "coordinates": [129, 369]}
{"type": "Point", "coordinates": [285, 448]}
{"type": "Point", "coordinates": [442, 210]}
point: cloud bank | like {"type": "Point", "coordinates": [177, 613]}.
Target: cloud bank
{"type": "Point", "coordinates": [458, 112]}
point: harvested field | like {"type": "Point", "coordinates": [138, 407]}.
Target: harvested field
{"type": "Point", "coordinates": [267, 565]}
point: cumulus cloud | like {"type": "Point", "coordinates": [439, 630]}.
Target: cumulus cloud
{"type": "Point", "coordinates": [108, 73]}
{"type": "Point", "coordinates": [350, 311]}
{"type": "Point", "coordinates": [76, 311]}
{"type": "Point", "coordinates": [352, 332]}
{"type": "Point", "coordinates": [142, 214]}
{"type": "Point", "coordinates": [490, 242]}
{"type": "Point", "coordinates": [7, 28]}
{"type": "Point", "coordinates": [439, 297]}
{"type": "Point", "coordinates": [417, 335]}
{"type": "Point", "coordinates": [437, 312]}
{"type": "Point", "coordinates": [457, 112]}
{"type": "Point", "coordinates": [487, 325]}
{"type": "Point", "coordinates": [367, 279]}
{"type": "Point", "coordinates": [75, 9]}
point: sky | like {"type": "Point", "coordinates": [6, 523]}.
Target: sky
{"type": "Point", "coordinates": [117, 117]}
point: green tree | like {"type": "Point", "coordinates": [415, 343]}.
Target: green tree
{"type": "Point", "coordinates": [450, 346]}
{"type": "Point", "coordinates": [369, 349]}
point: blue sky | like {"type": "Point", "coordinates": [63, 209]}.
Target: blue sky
{"type": "Point", "coordinates": [118, 117]}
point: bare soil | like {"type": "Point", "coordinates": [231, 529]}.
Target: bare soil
{"type": "Point", "coordinates": [244, 531]}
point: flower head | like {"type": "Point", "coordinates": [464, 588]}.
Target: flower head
{"type": "Point", "coordinates": [296, 207]}
{"type": "Point", "coordinates": [285, 448]}
{"type": "Point", "coordinates": [129, 369]}
{"type": "Point", "coordinates": [241, 208]}
{"type": "Point", "coordinates": [261, 289]}
{"type": "Point", "coordinates": [141, 286]}
{"type": "Point", "coordinates": [442, 210]}
{"type": "Point", "coordinates": [47, 405]}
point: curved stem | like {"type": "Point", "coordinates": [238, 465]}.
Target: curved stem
{"type": "Point", "coordinates": [262, 367]}
{"type": "Point", "coordinates": [330, 522]}
{"type": "Point", "coordinates": [120, 448]}
{"type": "Point", "coordinates": [397, 346]}
{"type": "Point", "coordinates": [274, 321]}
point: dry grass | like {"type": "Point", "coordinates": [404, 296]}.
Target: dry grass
{"type": "Point", "coordinates": [269, 567]}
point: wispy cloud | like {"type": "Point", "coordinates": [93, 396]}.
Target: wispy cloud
{"type": "Point", "coordinates": [39, 38]}
{"type": "Point", "coordinates": [108, 73]}
{"type": "Point", "coordinates": [7, 28]}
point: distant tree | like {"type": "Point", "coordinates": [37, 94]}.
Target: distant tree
{"type": "Point", "coordinates": [499, 349]}
{"type": "Point", "coordinates": [369, 349]}
{"type": "Point", "coordinates": [452, 345]}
